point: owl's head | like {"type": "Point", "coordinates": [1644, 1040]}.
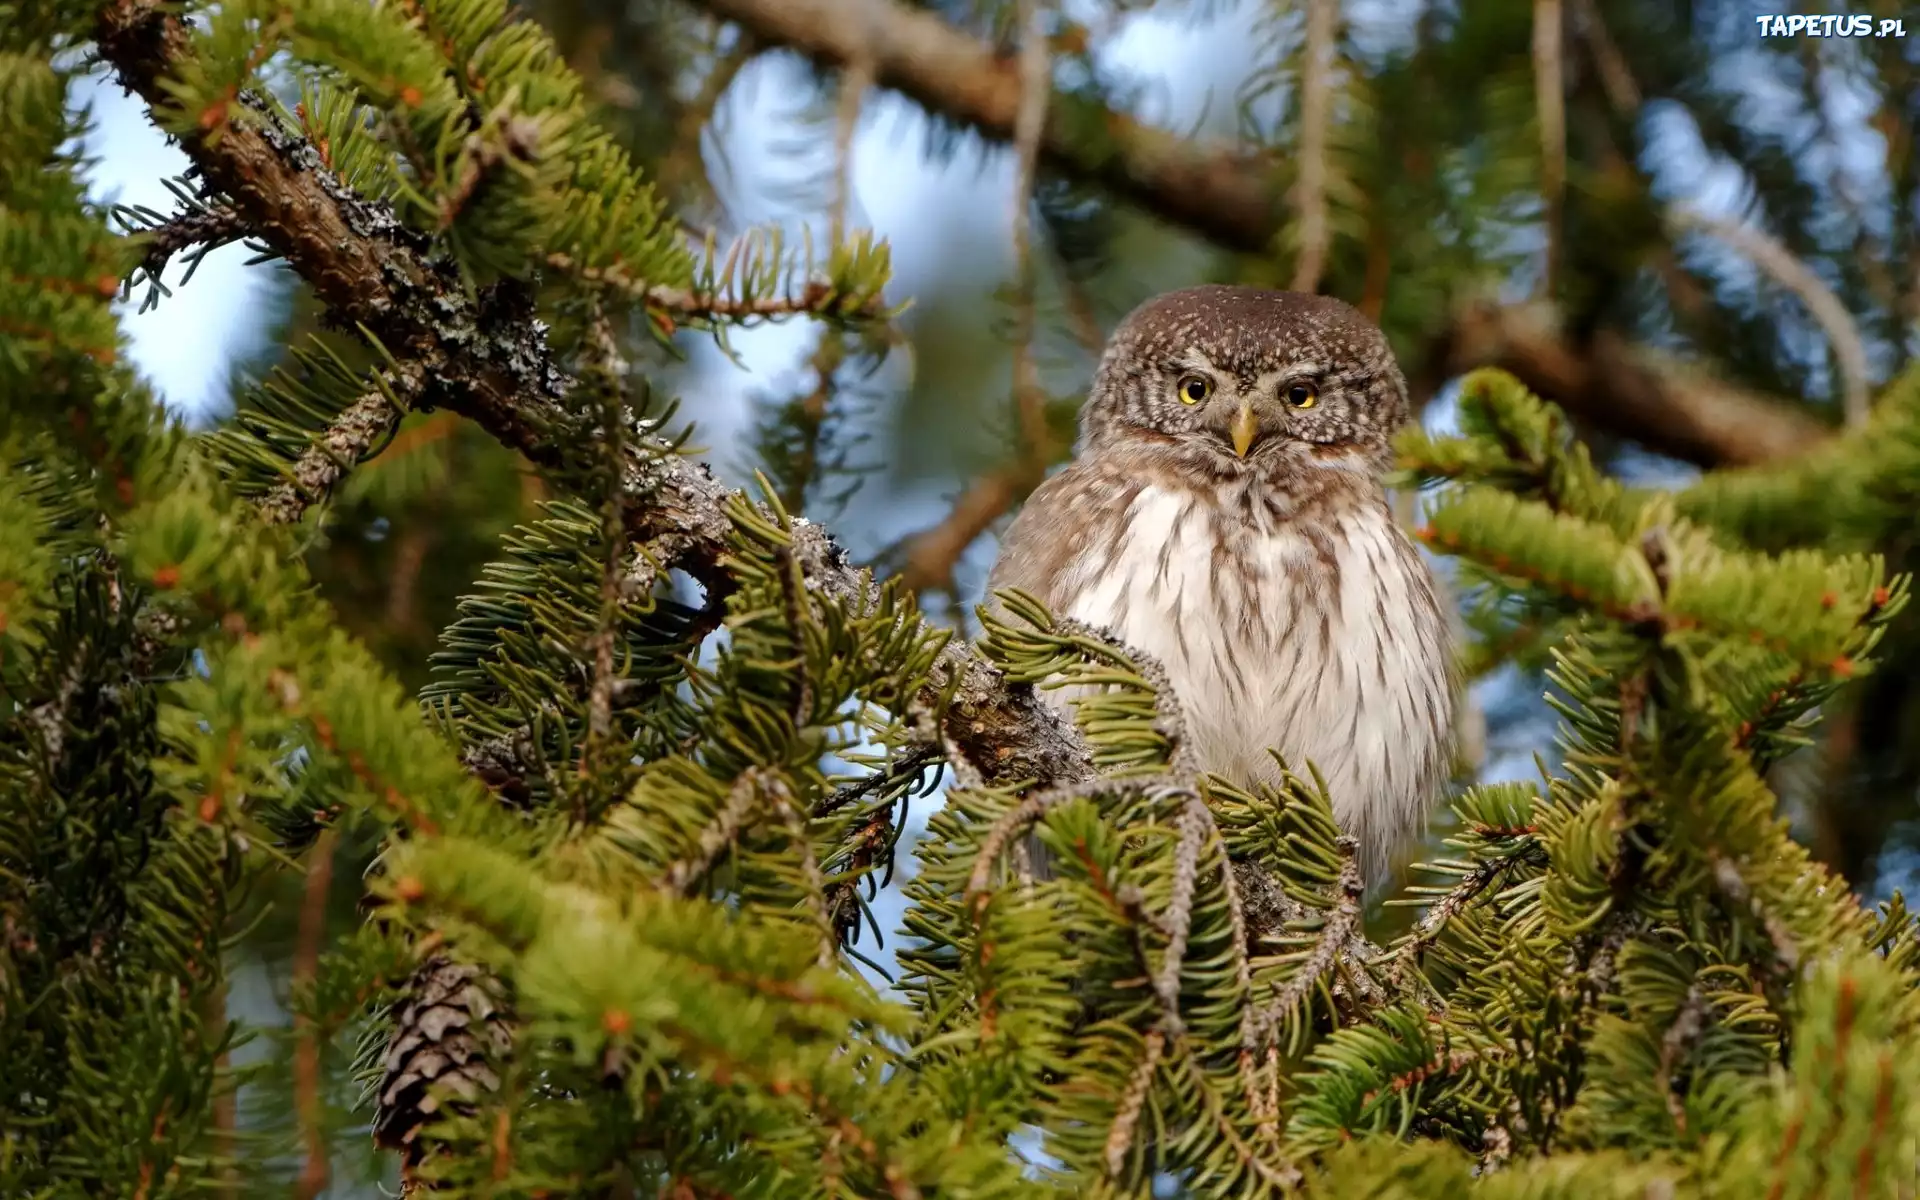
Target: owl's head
{"type": "Point", "coordinates": [1245, 379]}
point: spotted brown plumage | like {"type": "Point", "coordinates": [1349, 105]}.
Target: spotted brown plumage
{"type": "Point", "coordinates": [1225, 511]}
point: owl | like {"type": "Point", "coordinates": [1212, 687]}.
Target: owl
{"type": "Point", "coordinates": [1226, 512]}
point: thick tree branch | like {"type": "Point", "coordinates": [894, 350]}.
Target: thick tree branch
{"type": "Point", "coordinates": [1232, 199]}
{"type": "Point", "coordinates": [1616, 388]}
{"type": "Point", "coordinates": [1225, 195]}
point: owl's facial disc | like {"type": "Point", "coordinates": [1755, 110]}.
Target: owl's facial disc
{"type": "Point", "coordinates": [1236, 415]}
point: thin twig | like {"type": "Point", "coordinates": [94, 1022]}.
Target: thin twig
{"type": "Point", "coordinates": [815, 298]}
{"type": "Point", "coordinates": [831, 351]}
{"type": "Point", "coordinates": [718, 835]}
{"type": "Point", "coordinates": [1825, 307]}
{"type": "Point", "coordinates": [609, 368]}
{"type": "Point", "coordinates": [1036, 86]}
{"type": "Point", "coordinates": [812, 882]}
{"type": "Point", "coordinates": [1025, 814]}
{"type": "Point", "coordinates": [1127, 1116]}
{"type": "Point", "coordinates": [1266, 1116]}
{"type": "Point", "coordinates": [306, 1055]}
{"type": "Point", "coordinates": [1616, 78]}
{"type": "Point", "coordinates": [1194, 824]}
{"type": "Point", "coordinates": [1674, 1044]}
{"type": "Point", "coordinates": [928, 558]}
{"type": "Point", "coordinates": [202, 230]}
{"type": "Point", "coordinates": [1341, 921]}
{"type": "Point", "coordinates": [1316, 118]}
{"type": "Point", "coordinates": [1434, 921]}
{"type": "Point", "coordinates": [1550, 103]}
{"type": "Point", "coordinates": [910, 763]}
{"type": "Point", "coordinates": [340, 447]}
{"type": "Point", "coordinates": [1731, 882]}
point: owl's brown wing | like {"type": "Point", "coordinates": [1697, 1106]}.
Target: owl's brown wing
{"type": "Point", "coordinates": [1058, 523]}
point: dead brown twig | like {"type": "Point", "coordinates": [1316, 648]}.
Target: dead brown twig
{"type": "Point", "coordinates": [306, 1055]}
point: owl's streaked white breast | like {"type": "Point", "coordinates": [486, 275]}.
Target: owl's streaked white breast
{"type": "Point", "coordinates": [1352, 677]}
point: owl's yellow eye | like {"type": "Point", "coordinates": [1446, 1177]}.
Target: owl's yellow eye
{"type": "Point", "coordinates": [1302, 395]}
{"type": "Point", "coordinates": [1193, 389]}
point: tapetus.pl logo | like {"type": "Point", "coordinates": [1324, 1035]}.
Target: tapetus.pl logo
{"type": "Point", "coordinates": [1857, 25]}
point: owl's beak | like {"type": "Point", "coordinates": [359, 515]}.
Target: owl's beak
{"type": "Point", "coordinates": [1244, 429]}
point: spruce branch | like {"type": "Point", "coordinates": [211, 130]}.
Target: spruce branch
{"type": "Point", "coordinates": [681, 305]}
{"type": "Point", "coordinates": [485, 357]}
{"type": "Point", "coordinates": [1616, 387]}
{"type": "Point", "coordinates": [609, 369]}
{"type": "Point", "coordinates": [1194, 824]}
{"type": "Point", "coordinates": [1341, 923]}
{"type": "Point", "coordinates": [344, 444]}
{"type": "Point", "coordinates": [1132, 1101]}
{"type": "Point", "coordinates": [200, 228]}
{"type": "Point", "coordinates": [1474, 880]}
{"type": "Point", "coordinates": [719, 835]}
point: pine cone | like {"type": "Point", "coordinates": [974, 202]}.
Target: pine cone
{"type": "Point", "coordinates": [447, 1029]}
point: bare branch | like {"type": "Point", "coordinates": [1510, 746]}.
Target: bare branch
{"type": "Point", "coordinates": [306, 1056]}
{"type": "Point", "coordinates": [1550, 104]}
{"type": "Point", "coordinates": [1826, 309]}
{"type": "Point", "coordinates": [927, 559]}
{"type": "Point", "coordinates": [1036, 86]}
{"type": "Point", "coordinates": [1316, 114]}
{"type": "Point", "coordinates": [1615, 77]}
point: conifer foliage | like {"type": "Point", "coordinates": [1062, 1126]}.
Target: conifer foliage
{"type": "Point", "coordinates": [613, 939]}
